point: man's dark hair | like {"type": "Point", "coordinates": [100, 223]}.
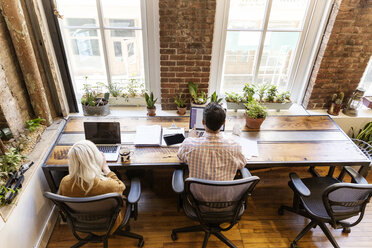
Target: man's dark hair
{"type": "Point", "coordinates": [214, 116]}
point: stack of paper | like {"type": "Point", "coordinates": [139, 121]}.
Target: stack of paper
{"type": "Point", "coordinates": [148, 136]}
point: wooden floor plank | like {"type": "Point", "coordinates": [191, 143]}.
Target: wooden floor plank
{"type": "Point", "coordinates": [260, 226]}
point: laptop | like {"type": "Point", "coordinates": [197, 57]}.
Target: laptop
{"type": "Point", "coordinates": [106, 136]}
{"type": "Point", "coordinates": [196, 120]}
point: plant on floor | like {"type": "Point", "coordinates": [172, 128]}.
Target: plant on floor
{"type": "Point", "coordinates": [197, 98]}
{"type": "Point", "coordinates": [33, 124]}
{"type": "Point", "coordinates": [364, 134]}
{"type": "Point", "coordinates": [249, 91]}
{"type": "Point", "coordinates": [215, 98]}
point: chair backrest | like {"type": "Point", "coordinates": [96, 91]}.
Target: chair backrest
{"type": "Point", "coordinates": [364, 147]}
{"type": "Point", "coordinates": [219, 201]}
{"type": "Point", "coordinates": [345, 200]}
{"type": "Point", "coordinates": [89, 214]}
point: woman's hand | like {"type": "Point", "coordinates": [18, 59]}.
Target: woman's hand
{"type": "Point", "coordinates": [104, 165]}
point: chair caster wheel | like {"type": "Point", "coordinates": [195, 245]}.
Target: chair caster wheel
{"type": "Point", "coordinates": [346, 230]}
{"type": "Point", "coordinates": [141, 242]}
{"type": "Point", "coordinates": [294, 245]}
{"type": "Point", "coordinates": [127, 228]}
{"type": "Point", "coordinates": [174, 236]}
{"type": "Point", "coordinates": [280, 211]}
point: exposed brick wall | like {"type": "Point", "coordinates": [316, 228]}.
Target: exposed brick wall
{"type": "Point", "coordinates": [186, 35]}
{"type": "Point", "coordinates": [344, 53]}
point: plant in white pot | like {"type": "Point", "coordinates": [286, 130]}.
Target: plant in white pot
{"type": "Point", "coordinates": [92, 101]}
{"type": "Point", "coordinates": [255, 114]}
{"type": "Point", "coordinates": [181, 104]}
{"type": "Point", "coordinates": [150, 102]}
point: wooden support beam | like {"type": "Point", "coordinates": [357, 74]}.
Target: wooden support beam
{"type": "Point", "coordinates": [16, 23]}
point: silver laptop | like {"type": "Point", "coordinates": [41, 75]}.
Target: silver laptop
{"type": "Point", "coordinates": [196, 120]}
{"type": "Point", "coordinates": [106, 136]}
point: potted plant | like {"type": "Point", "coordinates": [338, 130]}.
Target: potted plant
{"type": "Point", "coordinates": [197, 98]}
{"type": "Point", "coordinates": [181, 105]}
{"type": "Point", "coordinates": [150, 102]}
{"type": "Point", "coordinates": [92, 101]}
{"type": "Point", "coordinates": [261, 90]}
{"type": "Point", "coordinates": [249, 91]}
{"type": "Point", "coordinates": [215, 98]}
{"type": "Point", "coordinates": [336, 103]}
{"type": "Point", "coordinates": [255, 114]}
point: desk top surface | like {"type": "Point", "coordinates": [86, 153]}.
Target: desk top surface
{"type": "Point", "coordinates": [282, 140]}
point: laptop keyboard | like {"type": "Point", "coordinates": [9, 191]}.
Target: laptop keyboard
{"type": "Point", "coordinates": [107, 149]}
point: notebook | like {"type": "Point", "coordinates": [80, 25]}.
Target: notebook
{"type": "Point", "coordinates": [106, 136]}
{"type": "Point", "coordinates": [196, 120]}
{"type": "Point", "coordinates": [148, 136]}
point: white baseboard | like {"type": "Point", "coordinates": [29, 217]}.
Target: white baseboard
{"type": "Point", "coordinates": [48, 229]}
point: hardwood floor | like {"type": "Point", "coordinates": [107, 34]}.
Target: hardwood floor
{"type": "Point", "coordinates": [260, 226]}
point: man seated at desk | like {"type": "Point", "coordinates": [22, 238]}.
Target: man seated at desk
{"type": "Point", "coordinates": [212, 156]}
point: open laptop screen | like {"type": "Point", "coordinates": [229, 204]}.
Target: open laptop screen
{"type": "Point", "coordinates": [196, 119]}
{"type": "Point", "coordinates": [102, 132]}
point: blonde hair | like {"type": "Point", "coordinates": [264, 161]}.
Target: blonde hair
{"type": "Point", "coordinates": [85, 164]}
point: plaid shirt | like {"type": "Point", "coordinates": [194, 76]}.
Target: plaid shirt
{"type": "Point", "coordinates": [212, 157]}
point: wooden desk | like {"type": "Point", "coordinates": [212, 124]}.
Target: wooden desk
{"type": "Point", "coordinates": [282, 141]}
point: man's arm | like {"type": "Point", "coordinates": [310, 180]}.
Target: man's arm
{"type": "Point", "coordinates": [240, 158]}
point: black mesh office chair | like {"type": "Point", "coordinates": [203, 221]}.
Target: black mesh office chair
{"type": "Point", "coordinates": [329, 200]}
{"type": "Point", "coordinates": [213, 203]}
{"type": "Point", "coordinates": [97, 214]}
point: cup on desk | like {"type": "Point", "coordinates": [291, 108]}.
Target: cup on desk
{"type": "Point", "coordinates": [125, 154]}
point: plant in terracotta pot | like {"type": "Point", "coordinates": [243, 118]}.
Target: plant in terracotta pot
{"type": "Point", "coordinates": [255, 114]}
{"type": "Point", "coordinates": [150, 102]}
{"type": "Point", "coordinates": [336, 103]}
{"type": "Point", "coordinates": [92, 101]}
{"type": "Point", "coordinates": [181, 105]}
{"type": "Point", "coordinates": [197, 98]}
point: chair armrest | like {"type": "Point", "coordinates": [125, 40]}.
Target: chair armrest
{"type": "Point", "coordinates": [245, 173]}
{"type": "Point", "coordinates": [299, 185]}
{"type": "Point", "coordinates": [177, 181]}
{"type": "Point", "coordinates": [135, 191]}
{"type": "Point", "coordinates": [355, 175]}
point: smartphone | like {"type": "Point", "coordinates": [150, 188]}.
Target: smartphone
{"type": "Point", "coordinates": [172, 139]}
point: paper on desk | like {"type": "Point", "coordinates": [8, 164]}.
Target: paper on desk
{"type": "Point", "coordinates": [249, 147]}
{"type": "Point", "coordinates": [148, 136]}
{"type": "Point", "coordinates": [172, 130]}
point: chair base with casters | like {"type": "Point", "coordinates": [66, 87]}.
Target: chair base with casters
{"type": "Point", "coordinates": [328, 200]}
{"type": "Point", "coordinates": [97, 214]}
{"type": "Point", "coordinates": [210, 211]}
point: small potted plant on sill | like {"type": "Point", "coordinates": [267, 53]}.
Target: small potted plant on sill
{"type": "Point", "coordinates": [197, 98]}
{"type": "Point", "coordinates": [181, 105]}
{"type": "Point", "coordinates": [336, 104]}
{"type": "Point", "coordinates": [215, 98]}
{"type": "Point", "coordinates": [92, 101]}
{"type": "Point", "coordinates": [255, 114]}
{"type": "Point", "coordinates": [150, 102]}
{"type": "Point", "coordinates": [234, 101]}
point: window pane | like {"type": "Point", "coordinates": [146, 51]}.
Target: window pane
{"type": "Point", "coordinates": [240, 52]}
{"type": "Point", "coordinates": [277, 58]}
{"type": "Point", "coordinates": [84, 52]}
{"type": "Point", "coordinates": [127, 63]}
{"type": "Point", "coordinates": [115, 10]}
{"type": "Point", "coordinates": [366, 82]}
{"type": "Point", "coordinates": [287, 14]}
{"type": "Point", "coordinates": [73, 14]}
{"type": "Point", "coordinates": [246, 14]}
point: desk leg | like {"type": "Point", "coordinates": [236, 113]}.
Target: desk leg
{"type": "Point", "coordinates": [363, 171]}
{"type": "Point", "coordinates": [50, 181]}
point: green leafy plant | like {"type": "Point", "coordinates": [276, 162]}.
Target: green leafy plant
{"type": "Point", "coordinates": [9, 162]}
{"type": "Point", "coordinates": [283, 97]}
{"type": "Point", "coordinates": [271, 93]}
{"type": "Point", "coordinates": [180, 101]}
{"type": "Point", "coordinates": [215, 98]}
{"type": "Point", "coordinates": [31, 125]}
{"type": "Point", "coordinates": [249, 91]}
{"type": "Point", "coordinates": [4, 191]}
{"type": "Point", "coordinates": [261, 90]}
{"type": "Point", "coordinates": [365, 133]}
{"type": "Point", "coordinates": [233, 97]}
{"type": "Point", "coordinates": [114, 89]}
{"type": "Point", "coordinates": [255, 110]}
{"type": "Point", "coordinates": [197, 98]}
{"type": "Point", "coordinates": [135, 88]}
{"type": "Point", "coordinates": [338, 98]}
{"type": "Point", "coordinates": [150, 102]}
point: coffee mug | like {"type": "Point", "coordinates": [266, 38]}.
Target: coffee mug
{"type": "Point", "coordinates": [125, 154]}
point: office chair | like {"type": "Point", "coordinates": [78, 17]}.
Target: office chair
{"type": "Point", "coordinates": [213, 203]}
{"type": "Point", "coordinates": [329, 200]}
{"type": "Point", "coordinates": [97, 214]}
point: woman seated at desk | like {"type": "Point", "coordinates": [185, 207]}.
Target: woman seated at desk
{"type": "Point", "coordinates": [89, 175]}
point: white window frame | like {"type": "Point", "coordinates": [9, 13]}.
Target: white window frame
{"type": "Point", "coordinates": [308, 45]}
{"type": "Point", "coordinates": [150, 40]}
